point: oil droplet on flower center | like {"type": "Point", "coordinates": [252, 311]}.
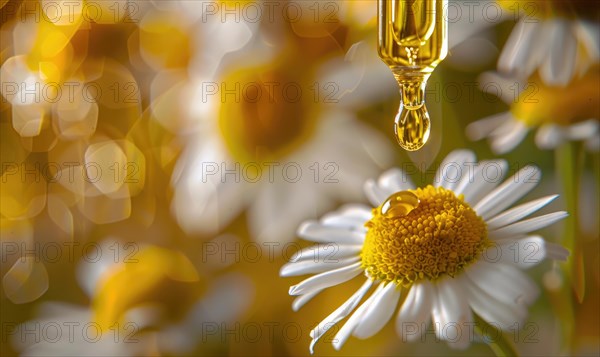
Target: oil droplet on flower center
{"type": "Point", "coordinates": [399, 204]}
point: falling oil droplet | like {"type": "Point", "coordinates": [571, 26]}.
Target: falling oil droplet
{"type": "Point", "coordinates": [399, 204]}
{"type": "Point", "coordinates": [412, 127]}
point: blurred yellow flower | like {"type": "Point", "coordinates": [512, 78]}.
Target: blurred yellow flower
{"type": "Point", "coordinates": [125, 285]}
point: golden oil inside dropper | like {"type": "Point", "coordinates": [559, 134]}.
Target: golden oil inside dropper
{"type": "Point", "coordinates": [413, 39]}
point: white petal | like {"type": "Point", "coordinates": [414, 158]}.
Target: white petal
{"type": "Point", "coordinates": [509, 192]}
{"type": "Point", "coordinates": [326, 252]}
{"type": "Point", "coordinates": [508, 136]}
{"type": "Point", "coordinates": [484, 127]}
{"type": "Point", "coordinates": [415, 311]}
{"type": "Point", "coordinates": [311, 267]}
{"type": "Point", "coordinates": [519, 212]}
{"type": "Point", "coordinates": [303, 299]}
{"type": "Point", "coordinates": [395, 180]}
{"type": "Point", "coordinates": [327, 279]}
{"type": "Point", "coordinates": [375, 194]}
{"type": "Point", "coordinates": [492, 310]}
{"type": "Point", "coordinates": [559, 66]}
{"type": "Point", "coordinates": [452, 309]}
{"type": "Point", "coordinates": [379, 312]}
{"type": "Point", "coordinates": [351, 216]}
{"type": "Point", "coordinates": [316, 232]}
{"type": "Point", "coordinates": [452, 169]}
{"type": "Point", "coordinates": [344, 333]}
{"type": "Point", "coordinates": [529, 251]}
{"type": "Point", "coordinates": [359, 211]}
{"type": "Point", "coordinates": [549, 136]}
{"type": "Point", "coordinates": [339, 314]}
{"type": "Point", "coordinates": [335, 219]}
{"type": "Point", "coordinates": [505, 129]}
{"type": "Point", "coordinates": [527, 225]}
{"type": "Point", "coordinates": [520, 54]}
{"type": "Point", "coordinates": [524, 253]}
{"type": "Point", "coordinates": [485, 177]}
{"type": "Point", "coordinates": [505, 282]}
{"type": "Point", "coordinates": [583, 130]}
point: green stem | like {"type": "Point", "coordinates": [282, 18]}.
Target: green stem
{"type": "Point", "coordinates": [569, 163]}
{"type": "Point", "coordinates": [500, 345]}
{"type": "Point", "coordinates": [569, 166]}
{"type": "Point", "coordinates": [596, 167]}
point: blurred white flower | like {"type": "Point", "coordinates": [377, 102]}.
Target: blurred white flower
{"type": "Point", "coordinates": [281, 143]}
{"type": "Point", "coordinates": [559, 48]}
{"type": "Point", "coordinates": [62, 329]}
{"type": "Point", "coordinates": [139, 326]}
{"type": "Point", "coordinates": [559, 114]}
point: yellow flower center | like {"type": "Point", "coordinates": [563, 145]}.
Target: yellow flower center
{"type": "Point", "coordinates": [270, 111]}
{"type": "Point", "coordinates": [432, 234]}
{"type": "Point", "coordinates": [576, 102]}
{"type": "Point", "coordinates": [266, 113]}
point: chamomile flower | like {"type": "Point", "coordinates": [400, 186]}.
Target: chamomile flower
{"type": "Point", "coordinates": [275, 137]}
{"type": "Point", "coordinates": [558, 114]}
{"type": "Point", "coordinates": [444, 252]}
{"type": "Point", "coordinates": [549, 39]}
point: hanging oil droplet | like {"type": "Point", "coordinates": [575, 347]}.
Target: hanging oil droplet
{"type": "Point", "coordinates": [399, 204]}
{"type": "Point", "coordinates": [412, 127]}
{"type": "Point", "coordinates": [412, 122]}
